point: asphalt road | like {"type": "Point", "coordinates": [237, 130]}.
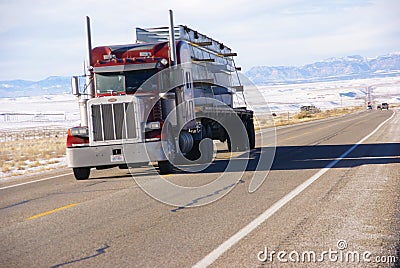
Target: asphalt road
{"type": "Point", "coordinates": [331, 198]}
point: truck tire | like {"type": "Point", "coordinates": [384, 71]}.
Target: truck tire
{"type": "Point", "coordinates": [208, 149]}
{"type": "Point", "coordinates": [209, 132]}
{"type": "Point", "coordinates": [251, 134]}
{"type": "Point", "coordinates": [241, 146]}
{"type": "Point", "coordinates": [195, 154]}
{"type": "Point", "coordinates": [165, 167]}
{"type": "Point", "coordinates": [228, 142]}
{"type": "Point", "coordinates": [81, 173]}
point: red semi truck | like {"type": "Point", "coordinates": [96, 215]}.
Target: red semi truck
{"type": "Point", "coordinates": [139, 97]}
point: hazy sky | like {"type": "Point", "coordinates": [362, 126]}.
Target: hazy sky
{"type": "Point", "coordinates": [42, 38]}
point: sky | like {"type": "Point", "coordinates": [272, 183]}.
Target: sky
{"type": "Point", "coordinates": [44, 38]}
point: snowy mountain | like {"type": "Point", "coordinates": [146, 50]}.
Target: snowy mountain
{"type": "Point", "coordinates": [52, 85]}
{"type": "Point", "coordinates": [350, 67]}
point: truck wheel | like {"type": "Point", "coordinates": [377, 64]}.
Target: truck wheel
{"type": "Point", "coordinates": [251, 134]}
{"type": "Point", "coordinates": [209, 132]}
{"type": "Point", "coordinates": [207, 148]}
{"type": "Point", "coordinates": [165, 167]}
{"type": "Point", "coordinates": [194, 154]}
{"type": "Point", "coordinates": [240, 146]}
{"type": "Point", "coordinates": [81, 173]}
{"type": "Point", "coordinates": [228, 142]}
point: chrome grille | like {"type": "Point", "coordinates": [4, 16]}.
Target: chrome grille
{"type": "Point", "coordinates": [113, 121]}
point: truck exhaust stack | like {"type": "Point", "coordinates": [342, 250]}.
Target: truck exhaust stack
{"type": "Point", "coordinates": [172, 46]}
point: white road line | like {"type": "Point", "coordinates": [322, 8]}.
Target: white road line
{"type": "Point", "coordinates": [216, 253]}
{"type": "Point", "coordinates": [29, 182]}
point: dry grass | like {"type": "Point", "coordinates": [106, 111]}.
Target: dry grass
{"type": "Point", "coordinates": [295, 118]}
{"type": "Point", "coordinates": [31, 153]}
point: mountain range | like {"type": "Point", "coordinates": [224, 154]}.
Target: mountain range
{"type": "Point", "coordinates": [350, 67]}
{"type": "Point", "coordinates": [52, 85]}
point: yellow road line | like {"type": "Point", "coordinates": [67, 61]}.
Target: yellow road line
{"type": "Point", "coordinates": [52, 211]}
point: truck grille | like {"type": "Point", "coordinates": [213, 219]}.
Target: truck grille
{"type": "Point", "coordinates": [113, 121]}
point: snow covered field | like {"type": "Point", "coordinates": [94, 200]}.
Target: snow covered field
{"type": "Point", "coordinates": [32, 133]}
{"type": "Point", "coordinates": [329, 95]}
{"type": "Point", "coordinates": [39, 111]}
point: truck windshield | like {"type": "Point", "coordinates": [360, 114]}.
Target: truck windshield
{"type": "Point", "coordinates": [127, 82]}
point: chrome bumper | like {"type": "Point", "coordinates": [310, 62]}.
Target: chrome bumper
{"type": "Point", "coordinates": [108, 155]}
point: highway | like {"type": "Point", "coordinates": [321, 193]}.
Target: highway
{"type": "Point", "coordinates": [334, 186]}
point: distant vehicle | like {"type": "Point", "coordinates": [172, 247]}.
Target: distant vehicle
{"type": "Point", "coordinates": [385, 106]}
{"type": "Point", "coordinates": [379, 107]}
{"type": "Point", "coordinates": [369, 107]}
{"type": "Point", "coordinates": [310, 109]}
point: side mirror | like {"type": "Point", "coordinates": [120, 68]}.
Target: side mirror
{"type": "Point", "coordinates": [75, 86]}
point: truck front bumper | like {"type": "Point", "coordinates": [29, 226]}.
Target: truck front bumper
{"type": "Point", "coordinates": [115, 155]}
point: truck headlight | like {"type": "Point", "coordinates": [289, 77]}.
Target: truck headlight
{"type": "Point", "coordinates": [152, 126]}
{"type": "Point", "coordinates": [78, 132]}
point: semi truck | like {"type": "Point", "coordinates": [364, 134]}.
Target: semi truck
{"type": "Point", "coordinates": [149, 102]}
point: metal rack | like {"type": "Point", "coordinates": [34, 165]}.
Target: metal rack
{"type": "Point", "coordinates": [206, 51]}
{"type": "Point", "coordinates": [198, 41]}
